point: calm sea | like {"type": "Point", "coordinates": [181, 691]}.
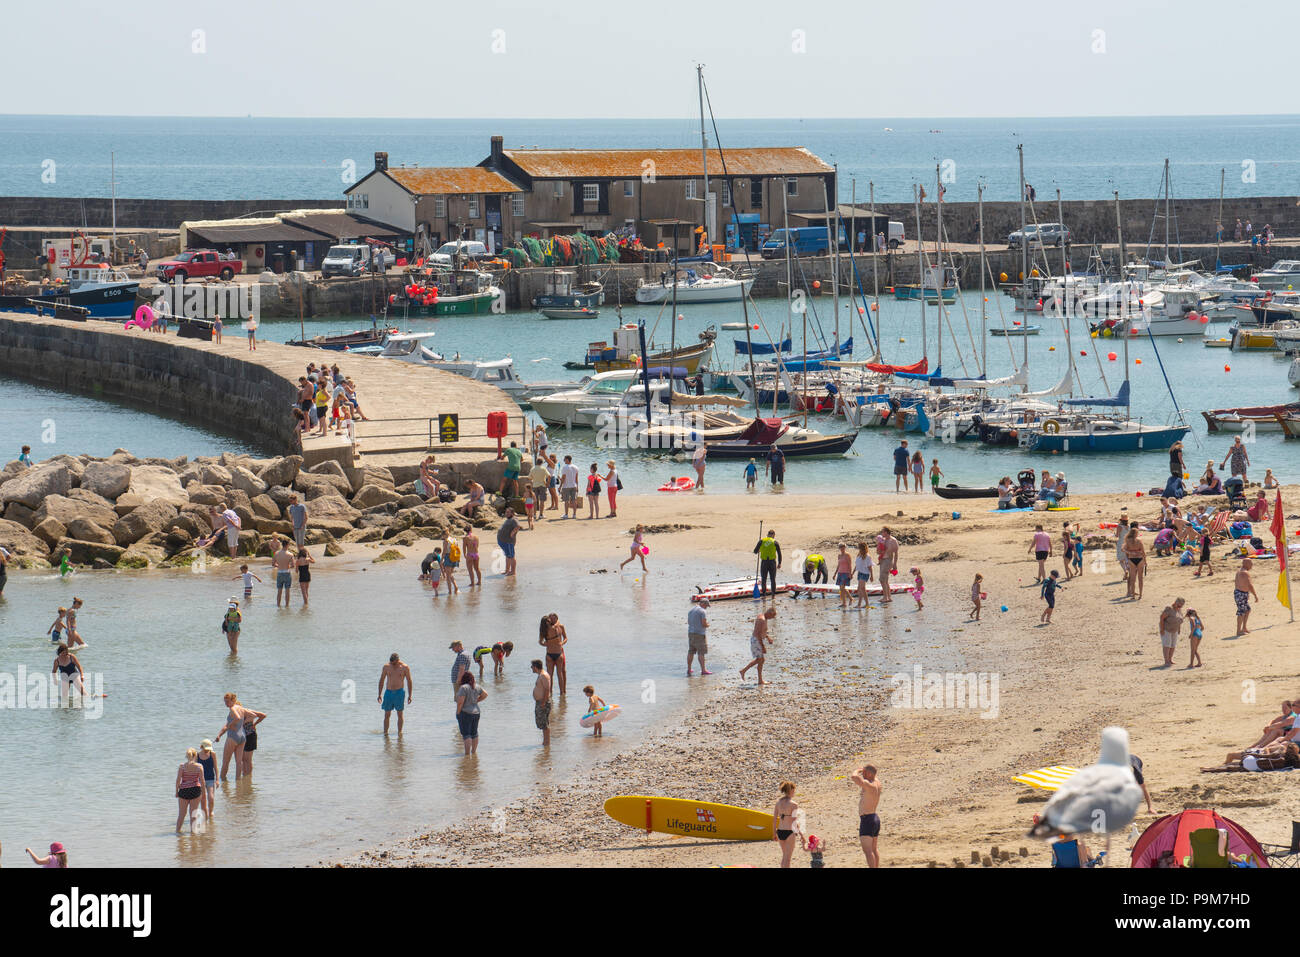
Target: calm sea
{"type": "Point", "coordinates": [1086, 158]}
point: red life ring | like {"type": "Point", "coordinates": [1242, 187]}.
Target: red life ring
{"type": "Point", "coordinates": [259, 252]}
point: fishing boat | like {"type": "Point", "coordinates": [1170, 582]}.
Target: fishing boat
{"type": "Point", "coordinates": [940, 284]}
{"type": "Point", "coordinates": [348, 341]}
{"type": "Point", "coordinates": [1251, 338]}
{"type": "Point", "coordinates": [461, 292]}
{"type": "Point", "coordinates": [625, 353]}
{"type": "Point", "coordinates": [106, 293]}
{"type": "Point", "coordinates": [579, 312]}
{"type": "Point", "coordinates": [563, 290]}
{"type": "Point", "coordinates": [1260, 418]}
{"type": "Point", "coordinates": [956, 491]}
{"type": "Point", "coordinates": [718, 284]}
{"type": "Point", "coordinates": [761, 434]}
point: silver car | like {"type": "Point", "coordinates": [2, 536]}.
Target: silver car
{"type": "Point", "coordinates": [1046, 234]}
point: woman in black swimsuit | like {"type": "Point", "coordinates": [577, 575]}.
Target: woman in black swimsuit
{"type": "Point", "coordinates": [304, 572]}
{"type": "Point", "coordinates": [552, 634]}
{"type": "Point", "coordinates": [251, 720]}
{"type": "Point", "coordinates": [783, 821]}
{"type": "Point", "coordinates": [69, 668]}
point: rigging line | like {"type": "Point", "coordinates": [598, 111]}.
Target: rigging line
{"type": "Point", "coordinates": [1001, 315]}
{"type": "Point", "coordinates": [965, 315]}
{"type": "Point", "coordinates": [942, 309]}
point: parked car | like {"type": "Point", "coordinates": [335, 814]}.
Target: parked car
{"type": "Point", "coordinates": [351, 259]}
{"type": "Point", "coordinates": [1048, 234]}
{"type": "Point", "coordinates": [805, 241]}
{"type": "Point", "coordinates": [197, 264]}
{"type": "Point", "coordinates": [465, 248]}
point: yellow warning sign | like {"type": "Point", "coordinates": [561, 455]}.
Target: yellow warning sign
{"type": "Point", "coordinates": [448, 428]}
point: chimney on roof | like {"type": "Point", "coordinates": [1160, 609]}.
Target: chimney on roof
{"type": "Point", "coordinates": [498, 147]}
{"type": "Point", "coordinates": [381, 162]}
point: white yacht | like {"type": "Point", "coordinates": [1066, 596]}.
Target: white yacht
{"type": "Point", "coordinates": [712, 283]}
{"type": "Point", "coordinates": [594, 392]}
{"type": "Point", "coordinates": [1283, 274]}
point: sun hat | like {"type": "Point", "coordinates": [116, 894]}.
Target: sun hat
{"type": "Point", "coordinates": [454, 644]}
{"type": "Point", "coordinates": [57, 848]}
{"type": "Point", "coordinates": [205, 744]}
{"type": "Point", "coordinates": [234, 603]}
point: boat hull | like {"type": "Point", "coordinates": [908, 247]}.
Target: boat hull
{"type": "Point", "coordinates": [1135, 440]}
{"type": "Point", "coordinates": [732, 291]}
{"type": "Point", "coordinates": [953, 491]}
{"type": "Point", "coordinates": [828, 445]}
{"type": "Point", "coordinates": [931, 295]}
{"type": "Point", "coordinates": [109, 302]}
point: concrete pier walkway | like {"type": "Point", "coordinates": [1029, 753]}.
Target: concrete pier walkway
{"type": "Point", "coordinates": [228, 388]}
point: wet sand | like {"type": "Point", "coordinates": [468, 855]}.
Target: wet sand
{"type": "Point", "coordinates": [946, 771]}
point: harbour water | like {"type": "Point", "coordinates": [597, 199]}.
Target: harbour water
{"type": "Point", "coordinates": [243, 158]}
{"type": "Point", "coordinates": [540, 347]}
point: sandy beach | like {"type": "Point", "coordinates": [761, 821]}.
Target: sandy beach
{"type": "Point", "coordinates": [946, 771]}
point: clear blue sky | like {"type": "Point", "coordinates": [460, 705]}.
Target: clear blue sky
{"type": "Point", "coordinates": [616, 58]}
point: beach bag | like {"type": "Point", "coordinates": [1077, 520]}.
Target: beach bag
{"type": "Point", "coordinates": [595, 486]}
{"type": "Point", "coordinates": [620, 483]}
{"type": "Point", "coordinates": [446, 495]}
{"type": "Point", "coordinates": [225, 625]}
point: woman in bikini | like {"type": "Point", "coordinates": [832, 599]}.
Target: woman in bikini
{"type": "Point", "coordinates": [69, 670]}
{"type": "Point", "coordinates": [189, 788]}
{"type": "Point", "coordinates": [1135, 553]}
{"type": "Point", "coordinates": [470, 541]}
{"type": "Point", "coordinates": [235, 736]}
{"type": "Point", "coordinates": [783, 830]}
{"type": "Point", "coordinates": [552, 634]}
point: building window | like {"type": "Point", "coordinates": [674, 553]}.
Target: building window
{"type": "Point", "coordinates": [440, 207]}
{"type": "Point", "coordinates": [628, 186]}
{"type": "Point", "coordinates": [755, 194]}
{"type": "Point", "coordinates": [473, 207]}
{"type": "Point", "coordinates": [517, 204]}
{"type": "Point", "coordinates": [726, 195]}
{"type": "Point", "coordinates": [559, 188]}
{"type": "Point", "coordinates": [591, 192]}
{"type": "Point", "coordinates": [690, 189]}
{"type": "Point", "coordinates": [791, 187]}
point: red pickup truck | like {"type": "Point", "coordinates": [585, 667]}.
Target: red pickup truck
{"type": "Point", "coordinates": [198, 263]}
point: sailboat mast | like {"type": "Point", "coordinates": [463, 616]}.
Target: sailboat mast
{"type": "Point", "coordinates": [704, 155]}
{"type": "Point", "coordinates": [112, 243]}
{"type": "Point", "coordinates": [789, 293]}
{"type": "Point", "coordinates": [672, 340]}
{"type": "Point", "coordinates": [984, 302]}
{"type": "Point", "coordinates": [938, 261]}
{"type": "Point", "coordinates": [833, 238]}
{"type": "Point", "coordinates": [1218, 233]}
{"type": "Point", "coordinates": [1166, 219]}
{"type": "Point", "coordinates": [1119, 234]}
{"type": "Point", "coordinates": [875, 272]}
{"type": "Point", "coordinates": [920, 267]}
{"type": "Point", "coordinates": [1024, 262]}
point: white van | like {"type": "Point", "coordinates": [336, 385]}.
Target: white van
{"type": "Point", "coordinates": [348, 260]}
{"type": "Point", "coordinates": [465, 248]}
{"type": "Point", "coordinates": [895, 237]}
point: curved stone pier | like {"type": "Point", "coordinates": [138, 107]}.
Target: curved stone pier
{"type": "Point", "coordinates": [232, 390]}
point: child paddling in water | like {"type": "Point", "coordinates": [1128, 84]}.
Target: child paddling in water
{"type": "Point", "coordinates": [594, 703]}
{"type": "Point", "coordinates": [918, 587]}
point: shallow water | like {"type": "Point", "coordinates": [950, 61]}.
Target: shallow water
{"type": "Point", "coordinates": [326, 781]}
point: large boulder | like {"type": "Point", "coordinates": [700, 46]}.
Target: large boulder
{"type": "Point", "coordinates": [328, 467]}
{"type": "Point", "coordinates": [155, 516]}
{"type": "Point", "coordinates": [93, 498]}
{"type": "Point", "coordinates": [108, 479]}
{"type": "Point", "coordinates": [156, 482]}
{"type": "Point", "coordinates": [280, 471]}
{"type": "Point", "coordinates": [248, 483]}
{"type": "Point", "coordinates": [18, 540]}
{"type": "Point", "coordinates": [280, 495]}
{"type": "Point", "coordinates": [214, 474]}
{"type": "Point", "coordinates": [311, 484]}
{"type": "Point", "coordinates": [126, 502]}
{"type": "Point", "coordinates": [21, 514]}
{"type": "Point", "coordinates": [37, 483]}
{"type": "Point", "coordinates": [206, 495]}
{"type": "Point", "coordinates": [370, 495]}
{"type": "Point", "coordinates": [84, 530]}
{"type": "Point", "coordinates": [86, 553]}
{"type": "Point", "coordinates": [75, 466]}
{"type": "Point", "coordinates": [332, 513]}
{"type": "Point", "coordinates": [67, 510]}
{"type": "Point", "coordinates": [50, 531]}
{"type": "Point", "coordinates": [264, 507]}
{"type": "Point", "coordinates": [191, 473]}
{"type": "Point", "coordinates": [140, 555]}
{"type": "Point", "coordinates": [196, 526]}
{"type": "Point", "coordinates": [370, 475]}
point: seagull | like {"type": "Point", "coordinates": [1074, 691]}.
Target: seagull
{"type": "Point", "coordinates": [1103, 797]}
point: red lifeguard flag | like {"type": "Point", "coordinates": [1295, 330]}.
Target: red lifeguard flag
{"type": "Point", "coordinates": [1278, 528]}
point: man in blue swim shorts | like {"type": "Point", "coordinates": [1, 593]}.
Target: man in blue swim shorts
{"type": "Point", "coordinates": [395, 689]}
{"type": "Point", "coordinates": [868, 820]}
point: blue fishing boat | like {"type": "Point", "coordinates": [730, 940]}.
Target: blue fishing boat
{"type": "Point", "coordinates": [106, 293]}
